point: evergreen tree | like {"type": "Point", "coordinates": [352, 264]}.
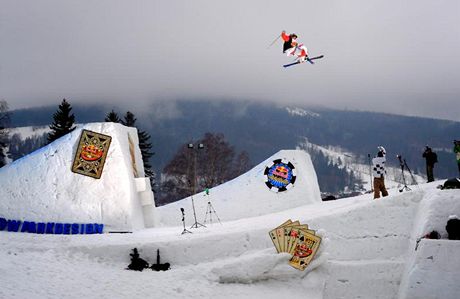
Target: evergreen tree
{"type": "Point", "coordinates": [112, 116]}
{"type": "Point", "coordinates": [146, 150]}
{"type": "Point", "coordinates": [63, 122]}
{"type": "Point", "coordinates": [144, 145]}
{"type": "Point", "coordinates": [129, 120]}
{"type": "Point", "coordinates": [4, 121]}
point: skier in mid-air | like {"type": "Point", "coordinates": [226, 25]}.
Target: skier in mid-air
{"type": "Point", "coordinates": [291, 46]}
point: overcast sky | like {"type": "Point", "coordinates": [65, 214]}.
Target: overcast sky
{"type": "Point", "coordinates": [387, 56]}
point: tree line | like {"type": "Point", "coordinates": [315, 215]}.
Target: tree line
{"type": "Point", "coordinates": [189, 171]}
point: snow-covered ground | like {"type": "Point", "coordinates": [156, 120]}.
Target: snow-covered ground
{"type": "Point", "coordinates": [368, 249]}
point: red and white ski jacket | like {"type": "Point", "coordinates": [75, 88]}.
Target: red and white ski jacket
{"type": "Point", "coordinates": [289, 42]}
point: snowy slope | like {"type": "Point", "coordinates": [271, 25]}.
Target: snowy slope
{"type": "Point", "coordinates": [367, 251]}
{"type": "Point", "coordinates": [347, 160]}
{"type": "Point", "coordinates": [248, 196]}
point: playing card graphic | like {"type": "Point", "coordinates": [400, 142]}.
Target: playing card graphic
{"type": "Point", "coordinates": [91, 154]}
{"type": "Point", "coordinates": [305, 249]}
{"type": "Point", "coordinates": [294, 235]}
{"type": "Point", "coordinates": [280, 236]}
{"type": "Point", "coordinates": [298, 240]}
{"type": "Point", "coordinates": [288, 230]}
{"type": "Point", "coordinates": [274, 236]}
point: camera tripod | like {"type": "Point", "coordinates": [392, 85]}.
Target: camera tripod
{"type": "Point", "coordinates": [403, 165]}
{"type": "Point", "coordinates": [209, 211]}
{"type": "Point", "coordinates": [185, 231]}
{"type": "Point", "coordinates": [196, 224]}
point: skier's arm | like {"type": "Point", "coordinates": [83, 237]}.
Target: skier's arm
{"type": "Point", "coordinates": [284, 36]}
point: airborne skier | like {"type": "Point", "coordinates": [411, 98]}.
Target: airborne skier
{"type": "Point", "coordinates": [291, 47]}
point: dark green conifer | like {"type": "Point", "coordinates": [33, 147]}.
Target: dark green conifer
{"type": "Point", "coordinates": [112, 116]}
{"type": "Point", "coordinates": [63, 122]}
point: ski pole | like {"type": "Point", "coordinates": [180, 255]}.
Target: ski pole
{"type": "Point", "coordinates": [276, 39]}
{"type": "Point", "coordinates": [370, 171]}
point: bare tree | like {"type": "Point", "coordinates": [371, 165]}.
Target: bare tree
{"type": "Point", "coordinates": [242, 163]}
{"type": "Point", "coordinates": [215, 164]}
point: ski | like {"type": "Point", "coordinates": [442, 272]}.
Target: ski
{"type": "Point", "coordinates": [309, 60]}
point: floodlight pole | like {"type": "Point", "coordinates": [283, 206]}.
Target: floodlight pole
{"type": "Point", "coordinates": [195, 152]}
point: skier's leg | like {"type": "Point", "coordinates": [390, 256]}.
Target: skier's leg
{"type": "Point", "coordinates": [291, 51]}
{"type": "Point", "coordinates": [429, 171]}
{"type": "Point", "coordinates": [383, 188]}
{"type": "Point", "coordinates": [376, 188]}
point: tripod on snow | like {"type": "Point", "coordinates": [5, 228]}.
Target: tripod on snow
{"type": "Point", "coordinates": [185, 231]}
{"type": "Point", "coordinates": [209, 211]}
{"type": "Point", "coordinates": [403, 165]}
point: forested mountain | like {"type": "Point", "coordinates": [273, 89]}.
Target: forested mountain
{"type": "Point", "coordinates": [262, 129]}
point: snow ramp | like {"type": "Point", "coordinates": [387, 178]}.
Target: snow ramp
{"type": "Point", "coordinates": [253, 193]}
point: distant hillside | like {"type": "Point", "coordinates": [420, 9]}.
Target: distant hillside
{"type": "Point", "coordinates": [263, 129]}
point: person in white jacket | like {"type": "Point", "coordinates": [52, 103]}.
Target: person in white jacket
{"type": "Point", "coordinates": [378, 171]}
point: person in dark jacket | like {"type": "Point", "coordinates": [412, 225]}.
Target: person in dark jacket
{"type": "Point", "coordinates": [457, 154]}
{"type": "Point", "coordinates": [431, 158]}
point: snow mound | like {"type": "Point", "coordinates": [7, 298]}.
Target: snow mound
{"type": "Point", "coordinates": [41, 187]}
{"type": "Point", "coordinates": [248, 195]}
{"type": "Point", "coordinates": [265, 265]}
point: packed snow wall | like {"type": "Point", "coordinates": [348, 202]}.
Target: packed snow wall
{"type": "Point", "coordinates": [284, 181]}
{"type": "Point", "coordinates": [51, 186]}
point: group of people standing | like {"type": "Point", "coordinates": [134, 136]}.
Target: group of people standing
{"type": "Point", "coordinates": [379, 172]}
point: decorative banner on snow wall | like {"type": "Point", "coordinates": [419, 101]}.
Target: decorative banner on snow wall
{"type": "Point", "coordinates": [54, 228]}
{"type": "Point", "coordinates": [91, 153]}
{"type": "Point", "coordinates": [280, 175]}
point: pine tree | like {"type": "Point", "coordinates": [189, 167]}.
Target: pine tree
{"type": "Point", "coordinates": [129, 120]}
{"type": "Point", "coordinates": [112, 116]}
{"type": "Point", "coordinates": [144, 145]}
{"type": "Point", "coordinates": [146, 148]}
{"type": "Point", "coordinates": [63, 122]}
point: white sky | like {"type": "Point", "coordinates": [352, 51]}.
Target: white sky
{"type": "Point", "coordinates": [387, 56]}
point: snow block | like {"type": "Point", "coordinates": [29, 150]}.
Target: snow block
{"type": "Point", "coordinates": [434, 270]}
{"type": "Point", "coordinates": [249, 195]}
{"type": "Point", "coordinates": [41, 187]}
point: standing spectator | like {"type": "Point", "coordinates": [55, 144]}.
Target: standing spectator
{"type": "Point", "coordinates": [457, 153]}
{"type": "Point", "coordinates": [431, 158]}
{"type": "Point", "coordinates": [379, 172]}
